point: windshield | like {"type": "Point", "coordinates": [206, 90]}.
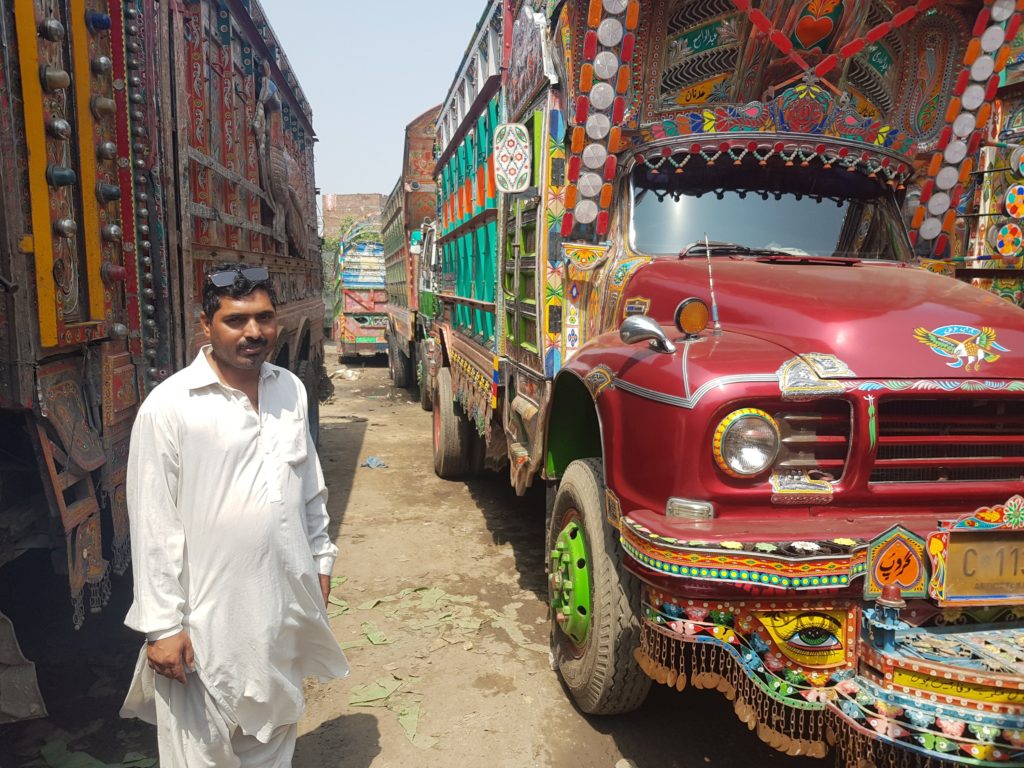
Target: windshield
{"type": "Point", "coordinates": [767, 209]}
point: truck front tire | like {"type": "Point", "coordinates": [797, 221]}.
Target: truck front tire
{"type": "Point", "coordinates": [424, 378]}
{"type": "Point", "coordinates": [398, 364]}
{"type": "Point", "coordinates": [602, 607]}
{"type": "Point", "coordinates": [452, 440]}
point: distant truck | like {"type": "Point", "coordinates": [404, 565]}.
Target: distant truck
{"type": "Point", "coordinates": [674, 285]}
{"type": "Point", "coordinates": [123, 179]}
{"type": "Point", "coordinates": [411, 204]}
{"type": "Point", "coordinates": [360, 319]}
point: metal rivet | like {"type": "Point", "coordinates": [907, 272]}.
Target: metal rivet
{"type": "Point", "coordinates": [140, 164]}
{"type": "Point", "coordinates": [144, 231]}
{"type": "Point", "coordinates": [142, 213]}
{"type": "Point", "coordinates": [142, 197]}
{"type": "Point", "coordinates": [135, 81]}
{"type": "Point", "coordinates": [111, 232]}
{"type": "Point", "coordinates": [59, 128]}
{"type": "Point", "coordinates": [133, 46]}
{"type": "Point", "coordinates": [102, 107]}
{"type": "Point", "coordinates": [65, 227]}
{"type": "Point", "coordinates": [149, 309]}
{"type": "Point", "coordinates": [106, 151]}
{"type": "Point", "coordinates": [137, 114]}
{"type": "Point", "coordinates": [60, 176]}
{"type": "Point", "coordinates": [107, 193]}
{"type": "Point", "coordinates": [139, 130]}
{"type": "Point", "coordinates": [145, 245]}
{"type": "Point", "coordinates": [52, 30]}
{"type": "Point", "coordinates": [147, 262]}
{"type": "Point", "coordinates": [149, 293]}
{"type": "Point", "coordinates": [53, 79]}
{"type": "Point", "coordinates": [102, 65]}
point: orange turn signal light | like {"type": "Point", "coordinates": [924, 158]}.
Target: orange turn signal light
{"type": "Point", "coordinates": [692, 316]}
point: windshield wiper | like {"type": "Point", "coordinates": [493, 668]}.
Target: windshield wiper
{"type": "Point", "coordinates": [778, 257]}
{"type": "Point", "coordinates": [720, 248]}
{"type": "Point", "coordinates": [714, 247]}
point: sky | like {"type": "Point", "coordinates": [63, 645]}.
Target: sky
{"type": "Point", "coordinates": [368, 68]}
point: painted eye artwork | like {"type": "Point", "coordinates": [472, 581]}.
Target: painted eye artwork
{"type": "Point", "coordinates": [809, 638]}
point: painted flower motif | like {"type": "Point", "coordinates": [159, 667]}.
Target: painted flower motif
{"type": "Point", "coordinates": [806, 546]}
{"type": "Point", "coordinates": [951, 727]}
{"type": "Point", "coordinates": [848, 687]}
{"type": "Point", "coordinates": [696, 543]}
{"type": "Point", "coordinates": [851, 710]}
{"type": "Point", "coordinates": [696, 613]}
{"type": "Point", "coordinates": [887, 727]}
{"type": "Point", "coordinates": [1015, 737]}
{"type": "Point", "coordinates": [984, 732]}
{"type": "Point", "coordinates": [818, 679]}
{"type": "Point", "coordinates": [1015, 512]}
{"type": "Point", "coordinates": [888, 710]}
{"type": "Point", "coordinates": [845, 542]}
{"type": "Point", "coordinates": [795, 676]}
{"type": "Point", "coordinates": [764, 546]}
{"type": "Point", "coordinates": [919, 718]}
{"type": "Point", "coordinates": [774, 662]}
{"type": "Point", "coordinates": [677, 627]}
{"type": "Point", "coordinates": [822, 695]}
{"type": "Point", "coordinates": [731, 545]}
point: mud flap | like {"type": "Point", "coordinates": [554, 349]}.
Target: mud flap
{"type": "Point", "coordinates": [19, 690]}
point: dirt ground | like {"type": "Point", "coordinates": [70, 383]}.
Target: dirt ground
{"type": "Point", "coordinates": [440, 604]}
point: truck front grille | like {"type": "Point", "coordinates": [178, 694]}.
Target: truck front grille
{"type": "Point", "coordinates": [928, 441]}
{"type": "Point", "coordinates": [815, 440]}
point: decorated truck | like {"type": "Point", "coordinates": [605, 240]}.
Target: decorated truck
{"type": "Point", "coordinates": [360, 322]}
{"type": "Point", "coordinates": [783, 459]}
{"type": "Point", "coordinates": [411, 204]}
{"type": "Point", "coordinates": [140, 144]}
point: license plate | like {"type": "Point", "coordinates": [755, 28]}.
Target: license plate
{"type": "Point", "coordinates": [985, 566]}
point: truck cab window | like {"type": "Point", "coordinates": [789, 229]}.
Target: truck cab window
{"type": "Point", "coordinates": [765, 208]}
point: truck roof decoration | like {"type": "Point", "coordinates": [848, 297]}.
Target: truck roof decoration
{"type": "Point", "coordinates": [966, 118]}
{"type": "Point", "coordinates": [855, 84]}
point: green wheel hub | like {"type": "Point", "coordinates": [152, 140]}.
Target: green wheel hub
{"type": "Point", "coordinates": [570, 582]}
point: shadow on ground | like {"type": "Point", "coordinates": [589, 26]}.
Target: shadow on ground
{"type": "Point", "coordinates": [517, 521]}
{"type": "Point", "coordinates": [350, 740]}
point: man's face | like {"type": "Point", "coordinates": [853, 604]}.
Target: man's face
{"type": "Point", "coordinates": [243, 331]}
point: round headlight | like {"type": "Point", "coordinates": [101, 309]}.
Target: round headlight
{"type": "Point", "coordinates": [746, 442]}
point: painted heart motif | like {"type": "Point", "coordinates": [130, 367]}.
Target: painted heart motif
{"type": "Point", "coordinates": [811, 31]}
{"type": "Point", "coordinates": [898, 564]}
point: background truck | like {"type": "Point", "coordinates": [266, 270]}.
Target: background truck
{"type": "Point", "coordinates": [140, 144]}
{"type": "Point", "coordinates": [412, 202]}
{"type": "Point", "coordinates": [783, 460]}
{"type": "Point", "coordinates": [360, 324]}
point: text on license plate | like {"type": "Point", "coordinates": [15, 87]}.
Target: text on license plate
{"type": "Point", "coordinates": [982, 565]}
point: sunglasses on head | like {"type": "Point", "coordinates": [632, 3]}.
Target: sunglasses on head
{"type": "Point", "coordinates": [226, 278]}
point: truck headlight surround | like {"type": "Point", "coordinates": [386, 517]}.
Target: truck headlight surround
{"type": "Point", "coordinates": [746, 443]}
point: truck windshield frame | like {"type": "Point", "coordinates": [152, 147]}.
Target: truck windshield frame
{"type": "Point", "coordinates": [774, 208]}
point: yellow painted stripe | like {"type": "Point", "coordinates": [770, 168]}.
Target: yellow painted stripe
{"type": "Point", "coordinates": [89, 226]}
{"type": "Point", "coordinates": [964, 690]}
{"type": "Point", "coordinates": [35, 145]}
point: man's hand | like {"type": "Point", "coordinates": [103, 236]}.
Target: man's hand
{"type": "Point", "coordinates": [325, 587]}
{"type": "Point", "coordinates": [172, 657]}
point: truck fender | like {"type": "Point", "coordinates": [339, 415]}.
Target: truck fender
{"type": "Point", "coordinates": [574, 428]}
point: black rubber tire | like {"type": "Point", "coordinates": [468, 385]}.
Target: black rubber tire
{"type": "Point", "coordinates": [398, 364]}
{"type": "Point", "coordinates": [308, 374]}
{"type": "Point", "coordinates": [601, 675]}
{"type": "Point", "coordinates": [426, 403]}
{"type": "Point", "coordinates": [452, 439]}
{"type": "Point", "coordinates": [477, 451]}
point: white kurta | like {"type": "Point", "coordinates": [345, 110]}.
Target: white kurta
{"type": "Point", "coordinates": [229, 531]}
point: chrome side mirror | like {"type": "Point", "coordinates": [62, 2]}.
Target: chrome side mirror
{"type": "Point", "coordinates": [637, 328]}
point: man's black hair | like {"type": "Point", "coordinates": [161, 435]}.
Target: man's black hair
{"type": "Point", "coordinates": [242, 286]}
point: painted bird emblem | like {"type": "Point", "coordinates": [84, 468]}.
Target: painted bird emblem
{"type": "Point", "coordinates": [970, 352]}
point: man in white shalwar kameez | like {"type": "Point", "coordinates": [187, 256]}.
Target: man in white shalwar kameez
{"type": "Point", "coordinates": [230, 546]}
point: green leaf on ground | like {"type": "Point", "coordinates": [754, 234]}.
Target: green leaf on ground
{"type": "Point", "coordinates": [340, 606]}
{"type": "Point", "coordinates": [358, 642]}
{"type": "Point", "coordinates": [337, 581]}
{"type": "Point", "coordinates": [373, 694]}
{"type": "Point", "coordinates": [374, 635]}
{"type": "Point", "coordinates": [408, 718]}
